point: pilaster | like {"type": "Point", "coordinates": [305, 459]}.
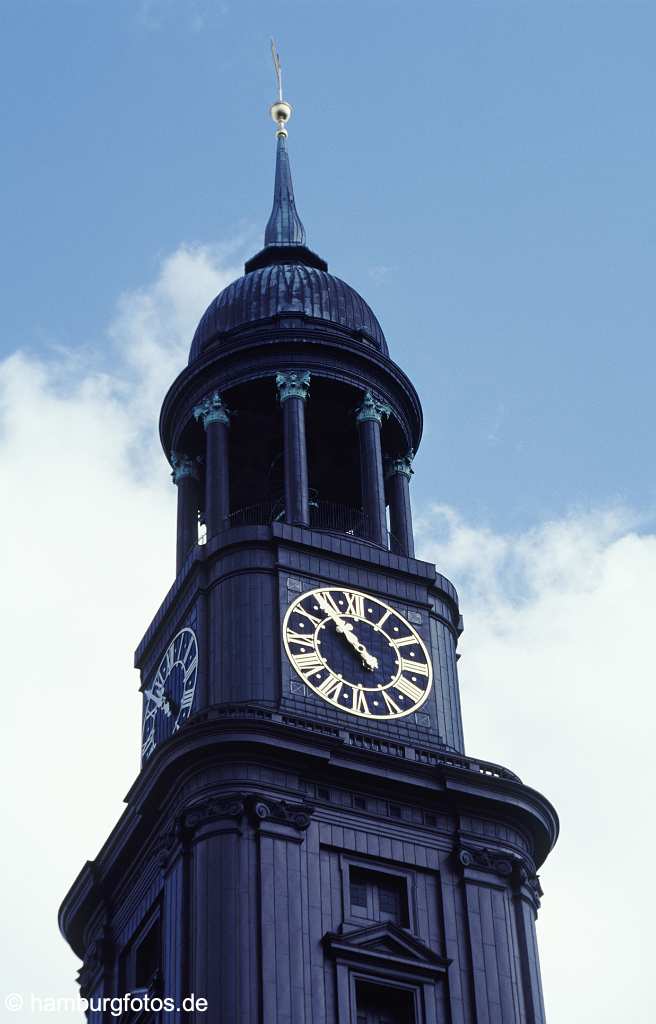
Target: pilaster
{"type": "Point", "coordinates": [501, 890]}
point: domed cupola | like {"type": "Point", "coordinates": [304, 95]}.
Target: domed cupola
{"type": "Point", "coordinates": [290, 409]}
{"type": "Point", "coordinates": [286, 277]}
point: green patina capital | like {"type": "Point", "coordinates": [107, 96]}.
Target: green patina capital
{"type": "Point", "coordinates": [371, 408]}
{"type": "Point", "coordinates": [182, 466]}
{"type": "Point", "coordinates": [293, 384]}
{"type": "Point", "coordinates": [402, 465]}
{"type": "Point", "coordinates": [212, 410]}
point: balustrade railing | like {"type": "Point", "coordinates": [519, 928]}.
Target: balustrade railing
{"type": "Point", "coordinates": [324, 515]}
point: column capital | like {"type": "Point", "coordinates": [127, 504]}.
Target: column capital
{"type": "Point", "coordinates": [182, 466]}
{"type": "Point", "coordinates": [371, 408]}
{"type": "Point", "coordinates": [402, 465]}
{"type": "Point", "coordinates": [293, 384]}
{"type": "Point", "coordinates": [212, 410]}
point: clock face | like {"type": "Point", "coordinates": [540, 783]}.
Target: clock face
{"type": "Point", "coordinates": [357, 652]}
{"type": "Point", "coordinates": [169, 698]}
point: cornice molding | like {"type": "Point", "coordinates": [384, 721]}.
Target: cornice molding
{"type": "Point", "coordinates": [261, 353]}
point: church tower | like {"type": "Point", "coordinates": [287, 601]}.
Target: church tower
{"type": "Point", "coordinates": [307, 840]}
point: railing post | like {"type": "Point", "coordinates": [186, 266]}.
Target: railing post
{"type": "Point", "coordinates": [184, 474]}
{"type": "Point", "coordinates": [398, 476]}
{"type": "Point", "coordinates": [215, 417]}
{"type": "Point", "coordinates": [293, 389]}
{"type": "Point", "coordinates": [369, 417]}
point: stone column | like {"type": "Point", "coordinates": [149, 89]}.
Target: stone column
{"type": "Point", "coordinates": [185, 476]}
{"type": "Point", "coordinates": [293, 388]}
{"type": "Point", "coordinates": [369, 417]}
{"type": "Point", "coordinates": [398, 476]}
{"type": "Point", "coordinates": [215, 417]}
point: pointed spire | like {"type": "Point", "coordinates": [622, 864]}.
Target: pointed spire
{"type": "Point", "coordinates": [284, 237]}
{"type": "Point", "coordinates": [285, 226]}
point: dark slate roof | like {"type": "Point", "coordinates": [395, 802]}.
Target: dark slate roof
{"type": "Point", "coordinates": [285, 277]}
{"type": "Point", "coordinates": [282, 288]}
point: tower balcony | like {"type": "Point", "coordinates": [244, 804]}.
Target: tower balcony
{"type": "Point", "coordinates": [325, 516]}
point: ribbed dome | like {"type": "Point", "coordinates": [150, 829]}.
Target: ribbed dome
{"type": "Point", "coordinates": [283, 288]}
{"type": "Point", "coordinates": [286, 277]}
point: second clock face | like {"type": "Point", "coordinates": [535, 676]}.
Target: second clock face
{"type": "Point", "coordinates": [169, 699]}
{"type": "Point", "coordinates": [357, 652]}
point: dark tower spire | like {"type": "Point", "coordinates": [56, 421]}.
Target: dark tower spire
{"type": "Point", "coordinates": [284, 226]}
{"type": "Point", "coordinates": [284, 236]}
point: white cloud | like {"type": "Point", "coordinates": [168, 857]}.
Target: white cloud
{"type": "Point", "coordinates": [87, 523]}
{"type": "Point", "coordinates": [557, 683]}
{"type": "Point", "coordinates": [556, 673]}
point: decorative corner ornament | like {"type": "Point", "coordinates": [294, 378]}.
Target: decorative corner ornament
{"type": "Point", "coordinates": [516, 869]}
{"type": "Point", "coordinates": [485, 860]}
{"type": "Point", "coordinates": [372, 408]}
{"type": "Point", "coordinates": [182, 466]}
{"type": "Point", "coordinates": [97, 958]}
{"type": "Point", "coordinates": [293, 384]}
{"type": "Point", "coordinates": [212, 410]}
{"type": "Point", "coordinates": [402, 465]}
{"type": "Point", "coordinates": [298, 816]}
{"type": "Point", "coordinates": [243, 806]}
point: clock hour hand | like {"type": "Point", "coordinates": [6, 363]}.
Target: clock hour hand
{"type": "Point", "coordinates": [160, 700]}
{"type": "Point", "coordinates": [346, 630]}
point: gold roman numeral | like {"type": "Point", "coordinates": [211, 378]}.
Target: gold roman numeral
{"type": "Point", "coordinates": [360, 701]}
{"type": "Point", "coordinates": [386, 616]}
{"type": "Point", "coordinates": [306, 639]}
{"type": "Point", "coordinates": [409, 689]}
{"type": "Point", "coordinates": [187, 698]}
{"type": "Point", "coordinates": [327, 598]}
{"type": "Point", "coordinates": [409, 666]}
{"type": "Point", "coordinates": [310, 664]}
{"type": "Point", "coordinates": [391, 706]}
{"type": "Point", "coordinates": [354, 605]}
{"type": "Point", "coordinates": [405, 641]}
{"type": "Point", "coordinates": [148, 745]}
{"type": "Point", "coordinates": [330, 687]}
{"type": "Point", "coordinates": [306, 615]}
{"type": "Point", "coordinates": [190, 647]}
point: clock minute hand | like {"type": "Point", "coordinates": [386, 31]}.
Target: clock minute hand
{"type": "Point", "coordinates": [346, 630]}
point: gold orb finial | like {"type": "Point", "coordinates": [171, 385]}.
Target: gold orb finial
{"type": "Point", "coordinates": [281, 111]}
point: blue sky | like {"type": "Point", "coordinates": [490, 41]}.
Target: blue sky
{"type": "Point", "coordinates": [482, 172]}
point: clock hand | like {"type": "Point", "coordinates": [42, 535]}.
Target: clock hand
{"type": "Point", "coordinates": [346, 630]}
{"type": "Point", "coordinates": [161, 700]}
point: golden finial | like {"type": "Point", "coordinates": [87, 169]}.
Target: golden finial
{"type": "Point", "coordinates": [281, 111]}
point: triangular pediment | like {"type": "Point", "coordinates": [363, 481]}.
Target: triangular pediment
{"type": "Point", "coordinates": [385, 942]}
